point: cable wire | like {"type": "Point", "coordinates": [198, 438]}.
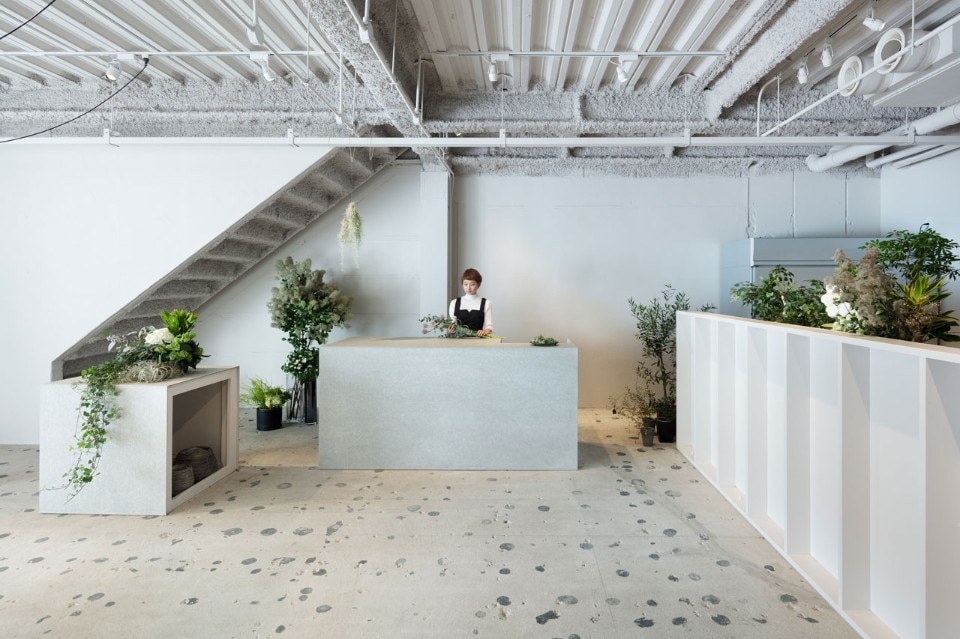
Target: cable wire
{"type": "Point", "coordinates": [146, 61]}
{"type": "Point", "coordinates": [28, 21]}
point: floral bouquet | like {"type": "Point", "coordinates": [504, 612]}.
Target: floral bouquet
{"type": "Point", "coordinates": [446, 326]}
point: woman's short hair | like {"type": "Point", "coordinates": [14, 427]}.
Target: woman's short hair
{"type": "Point", "coordinates": [473, 275]}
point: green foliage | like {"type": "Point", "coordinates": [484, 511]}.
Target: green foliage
{"type": "Point", "coordinates": [305, 308]}
{"type": "Point", "coordinates": [163, 349]}
{"type": "Point", "coordinates": [445, 326]}
{"type": "Point", "coordinates": [775, 299]}
{"type": "Point", "coordinates": [907, 256]}
{"type": "Point", "coordinates": [656, 323]}
{"type": "Point", "coordinates": [262, 395]}
{"type": "Point", "coordinates": [540, 340]}
{"type": "Point", "coordinates": [897, 289]}
{"type": "Point", "coordinates": [637, 404]}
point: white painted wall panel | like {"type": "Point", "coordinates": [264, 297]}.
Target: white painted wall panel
{"type": "Point", "coordinates": [819, 204]}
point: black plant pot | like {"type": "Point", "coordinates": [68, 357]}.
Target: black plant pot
{"type": "Point", "coordinates": [310, 402]}
{"type": "Point", "coordinates": [666, 430]}
{"type": "Point", "coordinates": [269, 418]}
{"type": "Point", "coordinates": [646, 437]}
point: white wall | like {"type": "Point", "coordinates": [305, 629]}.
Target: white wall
{"type": "Point", "coordinates": [560, 256]}
{"type": "Point", "coordinates": [234, 327]}
{"type": "Point", "coordinates": [924, 192]}
{"type": "Point", "coordinates": [85, 229]}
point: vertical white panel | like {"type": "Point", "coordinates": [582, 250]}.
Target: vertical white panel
{"type": "Point", "coordinates": [854, 539]}
{"type": "Point", "coordinates": [942, 479]}
{"type": "Point", "coordinates": [863, 207]}
{"type": "Point", "coordinates": [741, 405]}
{"type": "Point", "coordinates": [726, 377]}
{"type": "Point", "coordinates": [777, 427]}
{"type": "Point", "coordinates": [826, 428]}
{"type": "Point", "coordinates": [687, 404]}
{"type": "Point", "coordinates": [756, 440]}
{"type": "Point", "coordinates": [797, 528]}
{"type": "Point", "coordinates": [703, 375]}
{"type": "Point", "coordinates": [819, 204]}
{"type": "Point", "coordinates": [771, 205]}
{"type": "Point", "coordinates": [896, 491]}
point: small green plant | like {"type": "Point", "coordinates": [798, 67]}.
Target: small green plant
{"type": "Point", "coordinates": [261, 394]}
{"type": "Point", "coordinates": [906, 256]}
{"type": "Point", "coordinates": [540, 340]}
{"type": "Point", "coordinates": [775, 299]}
{"type": "Point", "coordinates": [636, 404]}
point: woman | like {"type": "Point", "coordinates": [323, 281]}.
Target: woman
{"type": "Point", "coordinates": [471, 310]}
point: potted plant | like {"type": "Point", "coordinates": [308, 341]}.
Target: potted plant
{"type": "Point", "coordinates": [636, 404]}
{"type": "Point", "coordinates": [897, 288]}
{"type": "Point", "coordinates": [656, 323]}
{"type": "Point", "coordinates": [269, 401]}
{"type": "Point", "coordinates": [305, 308]}
{"type": "Point", "coordinates": [775, 299]}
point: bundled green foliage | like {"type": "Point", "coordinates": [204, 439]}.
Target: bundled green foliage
{"type": "Point", "coordinates": [263, 395]}
{"type": "Point", "coordinates": [775, 299]}
{"type": "Point", "coordinates": [305, 308]}
{"type": "Point", "coordinates": [897, 288]}
{"type": "Point", "coordinates": [147, 355]}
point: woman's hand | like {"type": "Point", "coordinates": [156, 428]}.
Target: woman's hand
{"type": "Point", "coordinates": [483, 332]}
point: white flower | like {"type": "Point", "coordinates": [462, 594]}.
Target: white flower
{"type": "Point", "coordinates": [843, 309]}
{"type": "Point", "coordinates": [159, 336]}
{"type": "Point", "coordinates": [831, 309]}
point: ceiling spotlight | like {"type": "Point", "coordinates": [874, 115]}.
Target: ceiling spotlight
{"type": "Point", "coordinates": [114, 71]}
{"type": "Point", "coordinates": [872, 22]}
{"type": "Point", "coordinates": [826, 56]}
{"type": "Point", "coordinates": [492, 71]}
{"type": "Point", "coordinates": [803, 73]}
{"type": "Point", "coordinates": [263, 60]}
{"type": "Point", "coordinates": [621, 73]}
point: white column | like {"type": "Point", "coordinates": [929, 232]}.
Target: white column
{"type": "Point", "coordinates": [435, 203]}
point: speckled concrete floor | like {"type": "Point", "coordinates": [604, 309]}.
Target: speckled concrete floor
{"type": "Point", "coordinates": [635, 543]}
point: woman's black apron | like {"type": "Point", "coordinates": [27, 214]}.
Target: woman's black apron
{"type": "Point", "coordinates": [471, 319]}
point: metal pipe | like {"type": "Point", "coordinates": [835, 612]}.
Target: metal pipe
{"type": "Point", "coordinates": [760, 95]}
{"type": "Point", "coordinates": [517, 142]}
{"type": "Point", "coordinates": [934, 122]}
{"type": "Point", "coordinates": [932, 153]}
{"type": "Point", "coordinates": [151, 54]}
{"type": "Point", "coordinates": [898, 155]}
{"type": "Point", "coordinates": [575, 54]}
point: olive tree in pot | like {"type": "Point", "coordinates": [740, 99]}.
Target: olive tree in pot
{"type": "Point", "coordinates": [656, 323]}
{"type": "Point", "coordinates": [636, 405]}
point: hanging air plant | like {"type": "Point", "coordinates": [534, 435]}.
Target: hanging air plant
{"type": "Point", "coordinates": [350, 229]}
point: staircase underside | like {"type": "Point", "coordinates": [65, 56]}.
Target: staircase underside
{"type": "Point", "coordinates": [242, 246]}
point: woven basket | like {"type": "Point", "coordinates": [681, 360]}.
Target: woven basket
{"type": "Point", "coordinates": [182, 478]}
{"type": "Point", "coordinates": [201, 459]}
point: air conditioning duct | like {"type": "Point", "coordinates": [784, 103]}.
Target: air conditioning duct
{"type": "Point", "coordinates": [893, 42]}
{"type": "Point", "coordinates": [928, 76]}
{"type": "Point", "coordinates": [868, 85]}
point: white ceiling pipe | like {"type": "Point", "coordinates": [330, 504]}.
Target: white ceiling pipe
{"type": "Point", "coordinates": [899, 155]}
{"type": "Point", "coordinates": [508, 142]}
{"type": "Point", "coordinates": [935, 122]}
{"type": "Point", "coordinates": [947, 148]}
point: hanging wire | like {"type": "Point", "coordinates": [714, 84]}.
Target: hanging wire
{"type": "Point", "coordinates": [11, 32]}
{"type": "Point", "coordinates": [146, 61]}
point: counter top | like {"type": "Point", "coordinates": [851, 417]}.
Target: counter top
{"type": "Point", "coordinates": [434, 342]}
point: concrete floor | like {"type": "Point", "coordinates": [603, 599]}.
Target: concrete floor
{"type": "Point", "coordinates": [634, 543]}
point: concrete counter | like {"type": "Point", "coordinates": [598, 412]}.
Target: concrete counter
{"type": "Point", "coordinates": [432, 403]}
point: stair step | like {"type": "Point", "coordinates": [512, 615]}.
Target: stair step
{"type": "Point", "coordinates": [264, 232]}
{"type": "Point", "coordinates": [294, 218]}
{"type": "Point", "coordinates": [212, 269]}
{"type": "Point", "coordinates": [150, 308]}
{"type": "Point", "coordinates": [187, 287]}
{"type": "Point", "coordinates": [239, 251]}
{"type": "Point", "coordinates": [313, 202]}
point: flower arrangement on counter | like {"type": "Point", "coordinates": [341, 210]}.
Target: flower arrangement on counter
{"type": "Point", "coordinates": [445, 326]}
{"type": "Point", "coordinates": [148, 355]}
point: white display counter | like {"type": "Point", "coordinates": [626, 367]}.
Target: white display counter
{"type": "Point", "coordinates": [437, 403]}
{"type": "Point", "coordinates": [157, 420]}
{"type": "Point", "coordinates": [843, 451]}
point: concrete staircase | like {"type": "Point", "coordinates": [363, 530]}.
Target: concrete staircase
{"type": "Point", "coordinates": [252, 238]}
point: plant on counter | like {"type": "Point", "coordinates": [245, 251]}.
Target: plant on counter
{"type": "Point", "coordinates": [775, 299]}
{"type": "Point", "coordinates": [540, 340]}
{"type": "Point", "coordinates": [148, 355]}
{"type": "Point", "coordinates": [445, 326]}
{"type": "Point", "coordinates": [897, 288]}
{"type": "Point", "coordinates": [263, 395]}
{"type": "Point", "coordinates": [307, 309]}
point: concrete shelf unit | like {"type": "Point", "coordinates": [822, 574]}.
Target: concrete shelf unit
{"type": "Point", "coordinates": [843, 451]}
{"type": "Point", "coordinates": [157, 421]}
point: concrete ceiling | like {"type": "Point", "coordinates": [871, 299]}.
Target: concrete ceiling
{"type": "Point", "coordinates": [421, 68]}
